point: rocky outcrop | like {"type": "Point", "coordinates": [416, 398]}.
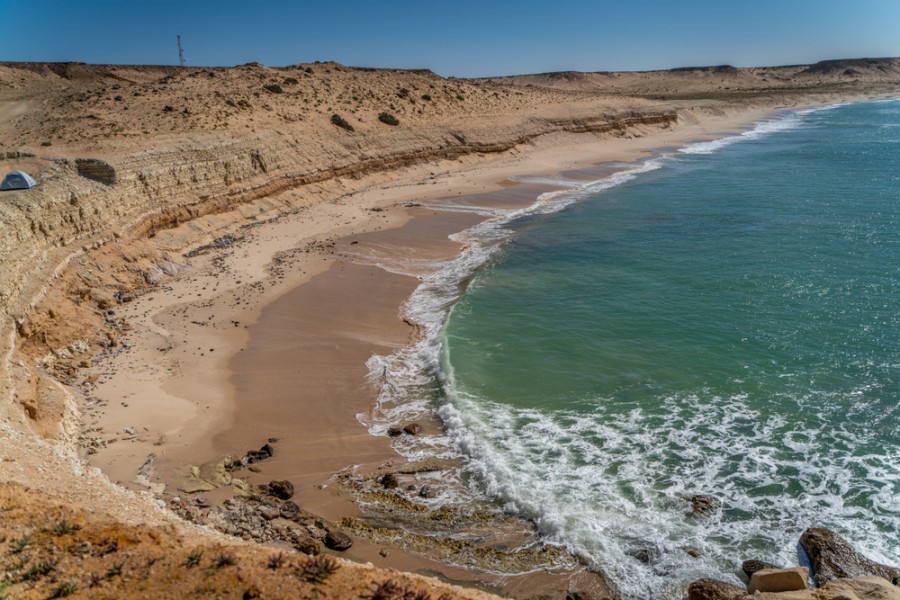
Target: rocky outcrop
{"type": "Point", "coordinates": [840, 571]}
{"type": "Point", "coordinates": [749, 567]}
{"type": "Point", "coordinates": [264, 518]}
{"type": "Point", "coordinates": [859, 588]}
{"type": "Point", "coordinates": [832, 557]}
{"type": "Point", "coordinates": [96, 169]}
{"type": "Point", "coordinates": [713, 589]}
{"type": "Point", "coordinates": [282, 489]}
{"type": "Point", "coordinates": [779, 580]}
{"type": "Point", "coordinates": [337, 540]}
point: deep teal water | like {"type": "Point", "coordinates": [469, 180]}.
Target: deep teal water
{"type": "Point", "coordinates": [726, 324]}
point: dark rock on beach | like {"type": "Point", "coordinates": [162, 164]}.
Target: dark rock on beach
{"type": "Point", "coordinates": [290, 511]}
{"type": "Point", "coordinates": [713, 589]}
{"type": "Point", "coordinates": [283, 490]}
{"type": "Point", "coordinates": [263, 453]}
{"type": "Point", "coordinates": [840, 571]}
{"type": "Point", "coordinates": [394, 432]}
{"type": "Point", "coordinates": [749, 567]}
{"type": "Point", "coordinates": [832, 557]}
{"type": "Point", "coordinates": [388, 481]}
{"type": "Point", "coordinates": [337, 540]}
{"type": "Point", "coordinates": [412, 429]}
{"type": "Point", "coordinates": [255, 518]}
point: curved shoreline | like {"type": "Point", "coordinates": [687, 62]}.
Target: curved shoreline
{"type": "Point", "coordinates": [142, 368]}
{"type": "Point", "coordinates": [320, 469]}
{"type": "Point", "coordinates": [515, 498]}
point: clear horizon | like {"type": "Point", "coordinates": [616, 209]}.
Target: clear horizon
{"type": "Point", "coordinates": [474, 39]}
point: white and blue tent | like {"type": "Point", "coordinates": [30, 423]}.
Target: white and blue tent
{"type": "Point", "coordinates": [17, 180]}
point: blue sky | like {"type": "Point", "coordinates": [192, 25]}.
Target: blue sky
{"type": "Point", "coordinates": [461, 38]}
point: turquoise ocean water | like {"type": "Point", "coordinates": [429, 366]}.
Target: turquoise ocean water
{"type": "Point", "coordinates": [723, 319]}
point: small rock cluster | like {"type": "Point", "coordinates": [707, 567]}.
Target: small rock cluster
{"type": "Point", "coordinates": [265, 515]}
{"type": "Point", "coordinates": [408, 429]}
{"type": "Point", "coordinates": [839, 572]}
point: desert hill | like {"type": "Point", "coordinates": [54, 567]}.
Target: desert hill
{"type": "Point", "coordinates": [722, 81]}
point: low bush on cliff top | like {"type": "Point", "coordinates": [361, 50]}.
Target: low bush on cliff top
{"type": "Point", "coordinates": [388, 118]}
{"type": "Point", "coordinates": [341, 122]}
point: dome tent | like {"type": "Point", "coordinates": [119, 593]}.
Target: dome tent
{"type": "Point", "coordinates": [17, 180]}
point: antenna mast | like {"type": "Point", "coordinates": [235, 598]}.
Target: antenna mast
{"type": "Point", "coordinates": [180, 52]}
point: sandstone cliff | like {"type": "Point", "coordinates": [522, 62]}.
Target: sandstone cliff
{"type": "Point", "coordinates": [102, 184]}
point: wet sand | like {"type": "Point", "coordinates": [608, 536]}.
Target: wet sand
{"type": "Point", "coordinates": [302, 377]}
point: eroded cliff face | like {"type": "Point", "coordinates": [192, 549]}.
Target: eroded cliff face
{"type": "Point", "coordinates": [86, 237]}
{"type": "Point", "coordinates": [98, 231]}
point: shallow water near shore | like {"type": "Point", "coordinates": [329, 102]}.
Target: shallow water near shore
{"type": "Point", "coordinates": [719, 320]}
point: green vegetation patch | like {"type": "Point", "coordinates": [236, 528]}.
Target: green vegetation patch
{"type": "Point", "coordinates": [341, 122]}
{"type": "Point", "coordinates": [388, 119]}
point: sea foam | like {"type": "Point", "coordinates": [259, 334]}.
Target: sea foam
{"type": "Point", "coordinates": [785, 122]}
{"type": "Point", "coordinates": [598, 502]}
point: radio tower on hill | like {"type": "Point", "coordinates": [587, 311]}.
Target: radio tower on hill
{"type": "Point", "coordinates": [180, 52]}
